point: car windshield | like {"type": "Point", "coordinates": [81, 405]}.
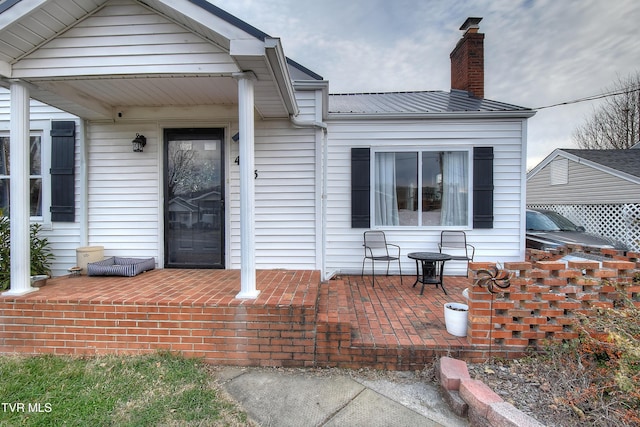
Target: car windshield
{"type": "Point", "coordinates": [549, 221]}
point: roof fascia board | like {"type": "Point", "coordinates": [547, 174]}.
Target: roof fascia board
{"type": "Point", "coordinates": [321, 85]}
{"type": "Point", "coordinates": [602, 168]}
{"type": "Point", "coordinates": [231, 19]}
{"type": "Point", "coordinates": [214, 20]}
{"type": "Point", "coordinates": [5, 5]}
{"type": "Point", "coordinates": [537, 168]}
{"type": "Point", "coordinates": [312, 85]}
{"type": "Point", "coordinates": [278, 62]}
{"type": "Point", "coordinates": [14, 11]}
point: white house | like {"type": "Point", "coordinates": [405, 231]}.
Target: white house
{"type": "Point", "coordinates": [598, 189]}
{"type": "Point", "coordinates": [248, 162]}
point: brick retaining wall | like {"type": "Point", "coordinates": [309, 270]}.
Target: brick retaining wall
{"type": "Point", "coordinates": [236, 335]}
{"type": "Point", "coordinates": [544, 296]}
{"type": "Point", "coordinates": [290, 326]}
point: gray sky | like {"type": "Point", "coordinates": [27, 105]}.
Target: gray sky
{"type": "Point", "coordinates": [537, 52]}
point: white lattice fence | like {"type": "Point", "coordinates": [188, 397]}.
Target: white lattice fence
{"type": "Point", "coordinates": [620, 222]}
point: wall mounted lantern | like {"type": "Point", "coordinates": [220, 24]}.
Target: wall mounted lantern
{"type": "Point", "coordinates": [138, 143]}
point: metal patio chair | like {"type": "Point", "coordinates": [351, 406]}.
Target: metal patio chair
{"type": "Point", "coordinates": [376, 248]}
{"type": "Point", "coordinates": [454, 243]}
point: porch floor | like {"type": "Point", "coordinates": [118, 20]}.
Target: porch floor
{"type": "Point", "coordinates": [296, 320]}
{"type": "Point", "coordinates": [393, 313]}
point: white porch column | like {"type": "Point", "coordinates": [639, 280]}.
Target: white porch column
{"type": "Point", "coordinates": [247, 186]}
{"type": "Point", "coordinates": [19, 191]}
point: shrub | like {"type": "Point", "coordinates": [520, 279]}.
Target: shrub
{"type": "Point", "coordinates": [5, 250]}
{"type": "Point", "coordinates": [41, 255]}
{"type": "Point", "coordinates": [603, 365]}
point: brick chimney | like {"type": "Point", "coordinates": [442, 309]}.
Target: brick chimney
{"type": "Point", "coordinates": [467, 60]}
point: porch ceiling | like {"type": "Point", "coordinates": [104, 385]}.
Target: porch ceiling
{"type": "Point", "coordinates": [103, 98]}
{"type": "Point", "coordinates": [100, 89]}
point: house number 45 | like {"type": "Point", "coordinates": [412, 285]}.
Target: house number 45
{"type": "Point", "coordinates": [237, 162]}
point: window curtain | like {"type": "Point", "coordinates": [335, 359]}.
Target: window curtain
{"type": "Point", "coordinates": [454, 188]}
{"type": "Point", "coordinates": [386, 199]}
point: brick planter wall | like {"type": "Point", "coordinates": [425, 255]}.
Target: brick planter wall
{"type": "Point", "coordinates": [251, 335]}
{"type": "Point", "coordinates": [544, 296]}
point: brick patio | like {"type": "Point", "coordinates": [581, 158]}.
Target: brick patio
{"type": "Point", "coordinates": [295, 321]}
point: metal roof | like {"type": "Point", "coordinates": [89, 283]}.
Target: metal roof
{"type": "Point", "coordinates": [426, 102]}
{"type": "Point", "coordinates": [627, 161]}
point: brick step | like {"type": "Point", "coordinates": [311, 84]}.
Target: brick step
{"type": "Point", "coordinates": [475, 400]}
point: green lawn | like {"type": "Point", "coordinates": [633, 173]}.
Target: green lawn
{"type": "Point", "coordinates": [158, 389]}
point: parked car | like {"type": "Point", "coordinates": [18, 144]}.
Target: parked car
{"type": "Point", "coordinates": [550, 230]}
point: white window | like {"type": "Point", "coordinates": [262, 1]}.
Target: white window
{"type": "Point", "coordinates": [35, 175]}
{"type": "Point", "coordinates": [421, 188]}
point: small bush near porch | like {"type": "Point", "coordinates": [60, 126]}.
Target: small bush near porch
{"type": "Point", "coordinates": [593, 379]}
{"type": "Point", "coordinates": [157, 389]}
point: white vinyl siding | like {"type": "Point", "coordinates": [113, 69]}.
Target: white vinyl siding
{"type": "Point", "coordinates": [285, 198]}
{"type": "Point", "coordinates": [125, 38]}
{"type": "Point", "coordinates": [503, 242]}
{"type": "Point", "coordinates": [586, 185]}
{"type": "Point", "coordinates": [123, 190]}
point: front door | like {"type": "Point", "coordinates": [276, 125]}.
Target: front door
{"type": "Point", "coordinates": [194, 198]}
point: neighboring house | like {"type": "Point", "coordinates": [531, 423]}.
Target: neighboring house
{"type": "Point", "coordinates": [297, 174]}
{"type": "Point", "coordinates": [598, 189]}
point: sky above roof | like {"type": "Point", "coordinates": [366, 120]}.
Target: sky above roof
{"type": "Point", "coordinates": [537, 52]}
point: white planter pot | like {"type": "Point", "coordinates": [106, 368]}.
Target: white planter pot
{"type": "Point", "coordinates": [455, 318]}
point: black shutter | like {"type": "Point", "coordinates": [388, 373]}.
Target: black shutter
{"type": "Point", "coordinates": [483, 187]}
{"type": "Point", "coordinates": [62, 171]}
{"type": "Point", "coordinates": [360, 188]}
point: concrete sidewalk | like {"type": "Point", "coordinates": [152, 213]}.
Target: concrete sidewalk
{"type": "Point", "coordinates": [301, 398]}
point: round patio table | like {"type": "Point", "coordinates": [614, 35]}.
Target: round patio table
{"type": "Point", "coordinates": [430, 270]}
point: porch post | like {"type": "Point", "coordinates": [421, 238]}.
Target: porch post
{"type": "Point", "coordinates": [19, 190]}
{"type": "Point", "coordinates": [247, 186]}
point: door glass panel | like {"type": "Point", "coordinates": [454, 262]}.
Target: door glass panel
{"type": "Point", "coordinates": [194, 207]}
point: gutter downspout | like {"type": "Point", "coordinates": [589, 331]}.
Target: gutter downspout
{"type": "Point", "coordinates": [322, 165]}
{"type": "Point", "coordinates": [307, 123]}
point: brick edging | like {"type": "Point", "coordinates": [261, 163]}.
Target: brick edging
{"type": "Point", "coordinates": [474, 399]}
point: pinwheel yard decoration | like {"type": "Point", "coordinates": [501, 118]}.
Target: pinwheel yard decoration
{"type": "Point", "coordinates": [493, 278]}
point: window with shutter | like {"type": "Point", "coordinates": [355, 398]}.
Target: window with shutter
{"type": "Point", "coordinates": [62, 171]}
{"type": "Point", "coordinates": [434, 183]}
